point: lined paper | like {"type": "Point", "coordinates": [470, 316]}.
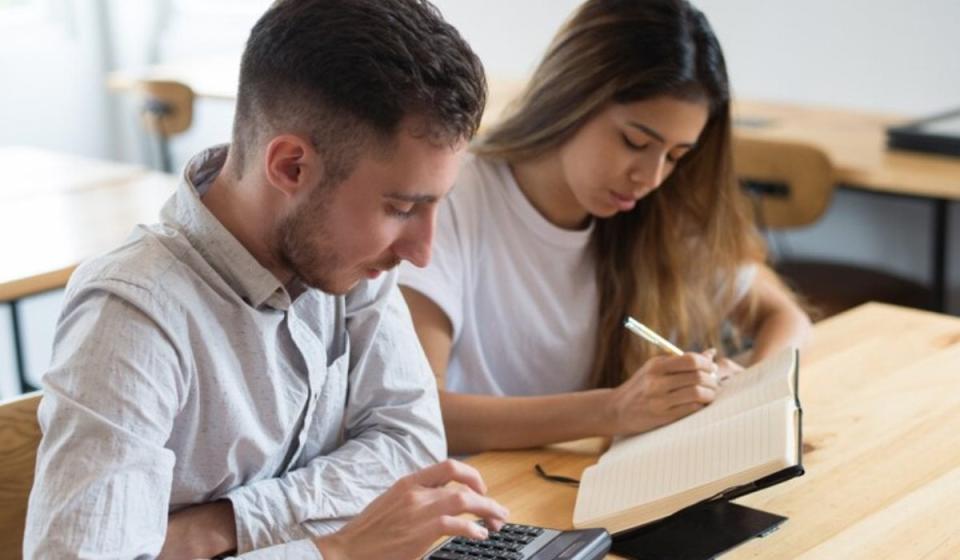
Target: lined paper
{"type": "Point", "coordinates": [756, 386]}
{"type": "Point", "coordinates": [749, 429]}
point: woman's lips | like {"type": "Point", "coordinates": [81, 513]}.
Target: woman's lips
{"type": "Point", "coordinates": [622, 202]}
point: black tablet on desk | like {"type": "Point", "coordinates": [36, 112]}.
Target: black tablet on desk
{"type": "Point", "coordinates": [939, 134]}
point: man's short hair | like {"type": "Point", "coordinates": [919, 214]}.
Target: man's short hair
{"type": "Point", "coordinates": [346, 72]}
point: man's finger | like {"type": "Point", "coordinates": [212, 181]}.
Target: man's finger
{"type": "Point", "coordinates": [459, 500]}
{"type": "Point", "coordinates": [450, 525]}
{"type": "Point", "coordinates": [447, 471]}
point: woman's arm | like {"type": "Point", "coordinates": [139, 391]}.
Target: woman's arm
{"type": "Point", "coordinates": [664, 390]}
{"type": "Point", "coordinates": [779, 321]}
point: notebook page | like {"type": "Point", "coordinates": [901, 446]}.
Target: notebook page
{"type": "Point", "coordinates": [713, 455]}
{"type": "Point", "coordinates": [762, 383]}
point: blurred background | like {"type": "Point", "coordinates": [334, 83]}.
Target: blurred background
{"type": "Point", "coordinates": [884, 56]}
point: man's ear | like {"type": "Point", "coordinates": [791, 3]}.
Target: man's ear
{"type": "Point", "coordinates": [292, 165]}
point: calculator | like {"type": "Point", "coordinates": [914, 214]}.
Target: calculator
{"type": "Point", "coordinates": [526, 542]}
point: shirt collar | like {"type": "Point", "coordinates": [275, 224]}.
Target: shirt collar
{"type": "Point", "coordinates": [222, 251]}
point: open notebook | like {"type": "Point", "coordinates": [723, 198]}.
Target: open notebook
{"type": "Point", "coordinates": [747, 439]}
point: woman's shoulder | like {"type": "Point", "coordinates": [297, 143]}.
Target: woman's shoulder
{"type": "Point", "coordinates": [480, 179]}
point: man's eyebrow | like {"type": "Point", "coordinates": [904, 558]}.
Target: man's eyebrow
{"type": "Point", "coordinates": [656, 135]}
{"type": "Point", "coordinates": [412, 198]}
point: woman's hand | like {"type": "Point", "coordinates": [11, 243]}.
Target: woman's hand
{"type": "Point", "coordinates": [665, 389]}
{"type": "Point", "coordinates": [727, 368]}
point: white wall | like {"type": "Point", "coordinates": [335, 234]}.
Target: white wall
{"type": "Point", "coordinates": [886, 55]}
{"type": "Point", "coordinates": [51, 71]}
{"type": "Point", "coordinates": [871, 54]}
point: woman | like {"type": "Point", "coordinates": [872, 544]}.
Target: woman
{"type": "Point", "coordinates": [607, 192]}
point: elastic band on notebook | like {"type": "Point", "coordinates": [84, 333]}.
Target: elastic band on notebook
{"type": "Point", "coordinates": [555, 478]}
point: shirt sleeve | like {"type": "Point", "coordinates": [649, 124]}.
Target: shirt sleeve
{"type": "Point", "coordinates": [743, 281]}
{"type": "Point", "coordinates": [443, 280]}
{"type": "Point", "coordinates": [391, 428]}
{"type": "Point", "coordinates": [103, 476]}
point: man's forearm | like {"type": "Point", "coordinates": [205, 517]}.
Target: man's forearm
{"type": "Point", "coordinates": [201, 531]}
{"type": "Point", "coordinates": [330, 487]}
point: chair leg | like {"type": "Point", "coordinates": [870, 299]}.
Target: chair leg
{"type": "Point", "coordinates": [18, 350]}
{"type": "Point", "coordinates": [939, 254]}
{"type": "Point", "coordinates": [166, 159]}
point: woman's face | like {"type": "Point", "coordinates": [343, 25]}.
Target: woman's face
{"type": "Point", "coordinates": [627, 150]}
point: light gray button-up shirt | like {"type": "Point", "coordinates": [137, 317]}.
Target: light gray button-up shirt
{"type": "Point", "coordinates": [183, 372]}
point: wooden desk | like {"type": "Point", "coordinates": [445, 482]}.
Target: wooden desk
{"type": "Point", "coordinates": [210, 77]}
{"type": "Point", "coordinates": [29, 172]}
{"type": "Point", "coordinates": [856, 143]}
{"type": "Point", "coordinates": [57, 210]}
{"type": "Point", "coordinates": [881, 418]}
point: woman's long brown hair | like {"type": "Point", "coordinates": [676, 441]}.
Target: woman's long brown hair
{"type": "Point", "coordinates": [672, 261]}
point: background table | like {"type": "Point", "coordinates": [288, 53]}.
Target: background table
{"type": "Point", "coordinates": [855, 141]}
{"type": "Point", "coordinates": [57, 210]}
{"type": "Point", "coordinates": [881, 416]}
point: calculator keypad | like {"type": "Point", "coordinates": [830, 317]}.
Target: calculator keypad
{"type": "Point", "coordinates": [509, 543]}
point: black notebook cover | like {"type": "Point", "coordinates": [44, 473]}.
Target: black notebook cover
{"type": "Point", "coordinates": [699, 532]}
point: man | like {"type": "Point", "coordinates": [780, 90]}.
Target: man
{"type": "Point", "coordinates": [244, 375]}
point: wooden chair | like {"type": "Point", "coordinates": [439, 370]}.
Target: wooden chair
{"type": "Point", "coordinates": [792, 185]}
{"type": "Point", "coordinates": [167, 110]}
{"type": "Point", "coordinates": [19, 438]}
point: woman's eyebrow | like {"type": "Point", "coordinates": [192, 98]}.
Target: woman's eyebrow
{"type": "Point", "coordinates": [656, 135]}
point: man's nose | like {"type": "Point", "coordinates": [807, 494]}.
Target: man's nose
{"type": "Point", "coordinates": [416, 243]}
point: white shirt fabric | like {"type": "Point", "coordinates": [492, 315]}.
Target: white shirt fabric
{"type": "Point", "coordinates": [519, 291]}
{"type": "Point", "coordinates": [184, 372]}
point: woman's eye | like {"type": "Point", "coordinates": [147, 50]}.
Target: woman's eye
{"type": "Point", "coordinates": [674, 158]}
{"type": "Point", "coordinates": [633, 145]}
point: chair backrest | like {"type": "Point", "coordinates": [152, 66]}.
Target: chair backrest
{"type": "Point", "coordinates": [794, 182]}
{"type": "Point", "coordinates": [167, 106]}
{"type": "Point", "coordinates": [19, 438]}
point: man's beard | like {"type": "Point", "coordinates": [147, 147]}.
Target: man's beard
{"type": "Point", "coordinates": [312, 264]}
{"type": "Point", "coordinates": [315, 264]}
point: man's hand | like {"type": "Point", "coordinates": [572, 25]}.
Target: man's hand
{"type": "Point", "coordinates": [665, 389]}
{"type": "Point", "coordinates": [414, 513]}
{"type": "Point", "coordinates": [202, 531]}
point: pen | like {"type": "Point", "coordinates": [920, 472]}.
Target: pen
{"type": "Point", "coordinates": [645, 332]}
